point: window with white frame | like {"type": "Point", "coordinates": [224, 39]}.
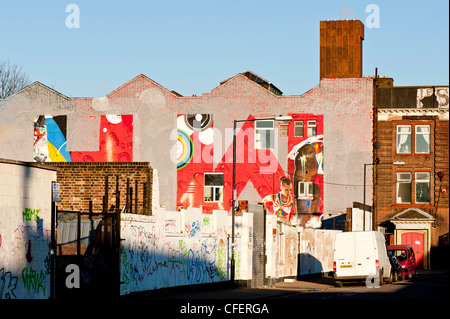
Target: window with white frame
{"type": "Point", "coordinates": [404, 139]}
{"type": "Point", "coordinates": [305, 190]}
{"type": "Point", "coordinates": [213, 189]}
{"type": "Point", "coordinates": [264, 134]}
{"type": "Point", "coordinates": [298, 128]}
{"type": "Point", "coordinates": [404, 188]}
{"type": "Point", "coordinates": [312, 128]}
{"type": "Point", "coordinates": [422, 181]}
{"type": "Point", "coordinates": [422, 139]}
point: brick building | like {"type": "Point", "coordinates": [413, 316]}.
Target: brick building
{"type": "Point", "coordinates": [92, 186]}
{"type": "Point", "coordinates": [411, 183]}
{"type": "Point", "coordinates": [188, 139]}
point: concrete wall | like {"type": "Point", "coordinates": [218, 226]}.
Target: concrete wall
{"type": "Point", "coordinates": [186, 248]}
{"type": "Point", "coordinates": [281, 248]}
{"type": "Point", "coordinates": [25, 231]}
{"type": "Point", "coordinates": [167, 249]}
{"type": "Point", "coordinates": [182, 248]}
{"type": "Point", "coordinates": [316, 251]}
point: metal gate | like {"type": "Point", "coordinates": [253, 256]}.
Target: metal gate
{"type": "Point", "coordinates": [87, 248]}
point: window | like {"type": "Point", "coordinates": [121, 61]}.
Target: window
{"type": "Point", "coordinates": [404, 139]}
{"type": "Point", "coordinates": [312, 128]}
{"type": "Point", "coordinates": [298, 128]}
{"type": "Point", "coordinates": [284, 130]}
{"type": "Point", "coordinates": [422, 139]}
{"type": "Point", "coordinates": [264, 135]}
{"type": "Point", "coordinates": [305, 190]}
{"type": "Point", "coordinates": [422, 182]}
{"type": "Point", "coordinates": [404, 188]}
{"type": "Point", "coordinates": [213, 191]}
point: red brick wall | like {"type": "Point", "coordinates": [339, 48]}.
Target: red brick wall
{"type": "Point", "coordinates": [435, 162]}
{"type": "Point", "coordinates": [84, 182]}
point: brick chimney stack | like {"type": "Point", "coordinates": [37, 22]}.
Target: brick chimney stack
{"type": "Point", "coordinates": [341, 48]}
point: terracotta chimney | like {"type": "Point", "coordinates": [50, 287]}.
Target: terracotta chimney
{"type": "Point", "coordinates": [341, 48]}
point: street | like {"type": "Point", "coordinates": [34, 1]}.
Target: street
{"type": "Point", "coordinates": [431, 285]}
{"type": "Point", "coordinates": [428, 284]}
{"type": "Point", "coordinates": [427, 290]}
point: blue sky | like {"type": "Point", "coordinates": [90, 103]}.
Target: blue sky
{"type": "Point", "coordinates": [190, 46]}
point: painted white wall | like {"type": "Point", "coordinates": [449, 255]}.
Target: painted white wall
{"type": "Point", "coordinates": [25, 216]}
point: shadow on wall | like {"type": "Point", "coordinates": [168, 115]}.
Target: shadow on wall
{"type": "Point", "coordinates": [150, 260]}
{"type": "Point", "coordinates": [308, 265]}
{"type": "Point", "coordinates": [31, 252]}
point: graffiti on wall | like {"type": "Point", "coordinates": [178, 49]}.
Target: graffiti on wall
{"type": "Point", "coordinates": [28, 245]}
{"type": "Point", "coordinates": [115, 142]}
{"type": "Point", "coordinates": [8, 284]}
{"type": "Point", "coordinates": [152, 260]}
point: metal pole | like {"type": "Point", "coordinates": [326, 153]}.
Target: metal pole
{"type": "Point", "coordinates": [233, 208]}
{"type": "Point", "coordinates": [127, 203]}
{"type": "Point", "coordinates": [364, 199]}
{"type": "Point", "coordinates": [78, 234]}
{"type": "Point", "coordinates": [105, 207]}
{"type": "Point", "coordinates": [52, 249]}
{"type": "Point", "coordinates": [136, 196]}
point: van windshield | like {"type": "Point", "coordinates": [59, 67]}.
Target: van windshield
{"type": "Point", "coordinates": [399, 253]}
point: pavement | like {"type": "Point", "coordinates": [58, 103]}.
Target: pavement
{"type": "Point", "coordinates": [244, 293]}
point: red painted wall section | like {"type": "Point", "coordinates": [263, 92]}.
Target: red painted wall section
{"type": "Point", "coordinates": [115, 141]}
{"type": "Point", "coordinates": [249, 165]}
{"type": "Point", "coordinates": [259, 167]}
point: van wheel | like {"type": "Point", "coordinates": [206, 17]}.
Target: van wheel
{"type": "Point", "coordinates": [390, 279]}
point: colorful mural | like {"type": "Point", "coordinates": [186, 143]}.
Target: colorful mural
{"type": "Point", "coordinates": [115, 140]}
{"type": "Point", "coordinates": [282, 204]}
{"type": "Point", "coordinates": [201, 184]}
{"type": "Point", "coordinates": [306, 166]}
{"type": "Point", "coordinates": [50, 139]}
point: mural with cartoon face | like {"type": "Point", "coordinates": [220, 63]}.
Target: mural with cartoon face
{"type": "Point", "coordinates": [296, 198]}
{"type": "Point", "coordinates": [306, 166]}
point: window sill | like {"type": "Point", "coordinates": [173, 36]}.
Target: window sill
{"type": "Point", "coordinates": [412, 206]}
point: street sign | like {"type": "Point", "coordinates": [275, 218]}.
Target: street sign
{"type": "Point", "coordinates": [55, 192]}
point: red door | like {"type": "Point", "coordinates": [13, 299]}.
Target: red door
{"type": "Point", "coordinates": [416, 241]}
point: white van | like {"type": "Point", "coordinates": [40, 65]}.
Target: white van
{"type": "Point", "coordinates": [361, 255]}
